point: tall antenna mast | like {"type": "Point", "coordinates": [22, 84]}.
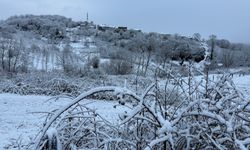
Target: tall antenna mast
{"type": "Point", "coordinates": [87, 17]}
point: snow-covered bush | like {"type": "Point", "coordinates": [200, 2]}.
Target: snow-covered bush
{"type": "Point", "coordinates": [118, 67]}
{"type": "Point", "coordinates": [216, 122]}
{"type": "Point", "coordinates": [22, 88]}
{"type": "Point", "coordinates": [18, 88]}
{"type": "Point", "coordinates": [58, 86]}
{"type": "Point", "coordinates": [94, 62]}
{"type": "Point", "coordinates": [39, 84]}
{"type": "Point", "coordinates": [81, 127]}
{"type": "Point", "coordinates": [210, 115]}
{"type": "Point", "coordinates": [92, 68]}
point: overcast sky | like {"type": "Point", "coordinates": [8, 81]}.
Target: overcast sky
{"type": "Point", "coordinates": [228, 19]}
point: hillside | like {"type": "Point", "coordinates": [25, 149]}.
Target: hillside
{"type": "Point", "coordinates": [50, 49]}
{"type": "Point", "coordinates": [57, 43]}
{"type": "Point", "coordinates": [45, 40]}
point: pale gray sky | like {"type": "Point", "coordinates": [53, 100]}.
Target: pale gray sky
{"type": "Point", "coordinates": [228, 19]}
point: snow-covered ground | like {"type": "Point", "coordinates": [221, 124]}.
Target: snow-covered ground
{"type": "Point", "coordinates": [16, 118]}
{"type": "Point", "coordinates": [19, 120]}
{"type": "Point", "coordinates": [243, 83]}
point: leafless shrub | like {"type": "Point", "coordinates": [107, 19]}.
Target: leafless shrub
{"type": "Point", "coordinates": [117, 67]}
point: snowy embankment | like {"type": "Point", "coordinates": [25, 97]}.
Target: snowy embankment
{"type": "Point", "coordinates": [21, 117]}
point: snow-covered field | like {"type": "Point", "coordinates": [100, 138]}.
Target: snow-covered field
{"type": "Point", "coordinates": [243, 83]}
{"type": "Point", "coordinates": [20, 120]}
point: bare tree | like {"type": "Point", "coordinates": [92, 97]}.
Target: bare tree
{"type": "Point", "coordinates": [45, 55]}
{"type": "Point", "coordinates": [3, 53]}
{"type": "Point", "coordinates": [152, 42]}
{"type": "Point", "coordinates": [227, 57]}
{"type": "Point", "coordinates": [197, 36]}
{"type": "Point", "coordinates": [67, 59]}
{"type": "Point", "coordinates": [212, 43]}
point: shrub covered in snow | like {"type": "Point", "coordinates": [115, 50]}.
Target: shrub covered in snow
{"type": "Point", "coordinates": [118, 67]}
{"type": "Point", "coordinates": [59, 86]}
{"type": "Point", "coordinates": [211, 115]}
{"type": "Point", "coordinates": [39, 84]}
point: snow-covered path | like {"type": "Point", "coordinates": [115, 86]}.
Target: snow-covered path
{"type": "Point", "coordinates": [18, 124]}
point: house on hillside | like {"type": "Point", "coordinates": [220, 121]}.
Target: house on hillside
{"type": "Point", "coordinates": [104, 28]}
{"type": "Point", "coordinates": [88, 25]}
{"type": "Point", "coordinates": [119, 29]}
